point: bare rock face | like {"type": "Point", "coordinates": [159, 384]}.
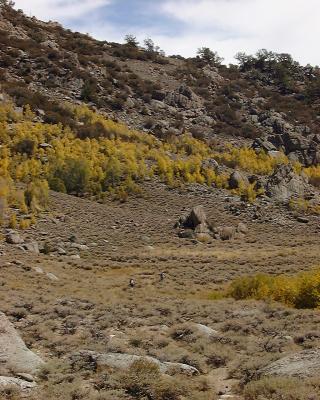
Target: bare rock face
{"type": "Point", "coordinates": [15, 357]}
{"type": "Point", "coordinates": [125, 361]}
{"type": "Point", "coordinates": [305, 364]}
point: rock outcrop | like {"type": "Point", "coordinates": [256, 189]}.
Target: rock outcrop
{"type": "Point", "coordinates": [195, 225]}
{"type": "Point", "coordinates": [183, 97]}
{"type": "Point", "coordinates": [305, 364]}
{"type": "Point", "coordinates": [15, 357]}
{"type": "Point", "coordinates": [20, 384]}
{"type": "Point", "coordinates": [125, 361]}
{"type": "Point", "coordinates": [285, 183]}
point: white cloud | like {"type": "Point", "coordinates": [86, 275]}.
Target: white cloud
{"type": "Point", "coordinates": [230, 26]}
{"type": "Point", "coordinates": [59, 9]}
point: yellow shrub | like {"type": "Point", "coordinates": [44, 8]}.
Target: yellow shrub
{"type": "Point", "coordinates": [24, 223]}
{"type": "Point", "coordinates": [313, 173]}
{"type": "Point", "coordinates": [248, 192]}
{"type": "Point", "coordinates": [305, 206]}
{"type": "Point", "coordinates": [248, 160]}
{"type": "Point", "coordinates": [300, 291]}
{"type": "Point", "coordinates": [13, 221]}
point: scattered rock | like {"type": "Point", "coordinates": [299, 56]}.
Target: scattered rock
{"type": "Point", "coordinates": [52, 277]}
{"type": "Point", "coordinates": [38, 270]}
{"type": "Point", "coordinates": [33, 247]}
{"type": "Point", "coordinates": [303, 220]}
{"type": "Point", "coordinates": [210, 163]}
{"type": "Point", "coordinates": [206, 330]}
{"type": "Point", "coordinates": [81, 247]}
{"type": "Point", "coordinates": [14, 238]}
{"type": "Point", "coordinates": [61, 251]}
{"type": "Point", "coordinates": [183, 97]}
{"type": "Point", "coordinates": [262, 144]}
{"type": "Point", "coordinates": [146, 239]}
{"type": "Point", "coordinates": [242, 228]}
{"type": "Point", "coordinates": [26, 377]}
{"type": "Point", "coordinates": [226, 232]}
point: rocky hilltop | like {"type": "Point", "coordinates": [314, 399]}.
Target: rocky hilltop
{"type": "Point", "coordinates": [268, 100]}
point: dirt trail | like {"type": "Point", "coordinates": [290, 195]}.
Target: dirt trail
{"type": "Point", "coordinates": [223, 384]}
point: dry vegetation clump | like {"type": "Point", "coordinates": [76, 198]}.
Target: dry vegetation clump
{"type": "Point", "coordinates": [313, 174]}
{"type": "Point", "coordinates": [304, 206]}
{"type": "Point", "coordinates": [282, 389]}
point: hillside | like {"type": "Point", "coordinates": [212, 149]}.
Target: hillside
{"type": "Point", "coordinates": [270, 97]}
{"type": "Point", "coordinates": [159, 221]}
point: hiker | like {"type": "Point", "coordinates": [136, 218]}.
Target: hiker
{"type": "Point", "coordinates": [162, 276]}
{"type": "Point", "coordinates": [132, 283]}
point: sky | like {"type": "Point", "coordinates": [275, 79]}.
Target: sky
{"type": "Point", "coordinates": [182, 26]}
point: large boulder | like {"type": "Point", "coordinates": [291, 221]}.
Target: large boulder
{"type": "Point", "coordinates": [285, 183]}
{"type": "Point", "coordinates": [304, 364]}
{"type": "Point", "coordinates": [125, 361]}
{"type": "Point", "coordinates": [15, 357]}
{"type": "Point", "coordinates": [196, 217]}
{"type": "Point", "coordinates": [237, 179]}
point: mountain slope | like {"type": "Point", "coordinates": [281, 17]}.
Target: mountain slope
{"type": "Point", "coordinates": [269, 96]}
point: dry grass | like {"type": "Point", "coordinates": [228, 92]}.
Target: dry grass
{"type": "Point", "coordinates": [92, 307]}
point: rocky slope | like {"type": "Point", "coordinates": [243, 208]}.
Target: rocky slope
{"type": "Point", "coordinates": [269, 100]}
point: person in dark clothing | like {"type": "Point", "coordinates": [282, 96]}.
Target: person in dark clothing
{"type": "Point", "coordinates": [132, 283]}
